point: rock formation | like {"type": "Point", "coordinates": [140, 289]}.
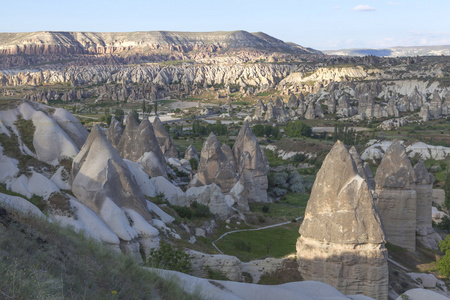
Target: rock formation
{"type": "Point", "coordinates": [424, 193]}
{"type": "Point", "coordinates": [191, 152]}
{"type": "Point", "coordinates": [395, 184]}
{"type": "Point", "coordinates": [341, 238]}
{"type": "Point", "coordinates": [164, 140]}
{"type": "Point", "coordinates": [139, 139]}
{"type": "Point", "coordinates": [102, 181]}
{"type": "Point", "coordinates": [211, 196]}
{"type": "Point", "coordinates": [363, 168]}
{"type": "Point", "coordinates": [114, 132]}
{"type": "Point", "coordinates": [214, 166]}
{"type": "Point", "coordinates": [251, 164]}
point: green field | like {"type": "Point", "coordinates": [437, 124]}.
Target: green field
{"type": "Point", "coordinates": [250, 245]}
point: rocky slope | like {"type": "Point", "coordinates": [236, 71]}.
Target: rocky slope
{"type": "Point", "coordinates": [395, 51]}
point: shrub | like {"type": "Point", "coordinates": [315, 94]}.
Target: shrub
{"type": "Point", "coordinates": [200, 210]}
{"type": "Point", "coordinates": [298, 129]}
{"type": "Point", "coordinates": [265, 208]}
{"type": "Point", "coordinates": [171, 258]}
{"type": "Point", "coordinates": [280, 179]}
{"type": "Point", "coordinates": [299, 157]}
{"type": "Point", "coordinates": [215, 274]}
{"type": "Point", "coordinates": [242, 245]}
{"type": "Point", "coordinates": [444, 224]}
{"type": "Point", "coordinates": [194, 163]}
{"type": "Point", "coordinates": [279, 192]}
{"type": "Point", "coordinates": [443, 264]}
{"type": "Point", "coordinates": [296, 183]}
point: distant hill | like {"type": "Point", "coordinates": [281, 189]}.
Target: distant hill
{"type": "Point", "coordinates": [394, 51]}
{"type": "Point", "coordinates": [53, 42]}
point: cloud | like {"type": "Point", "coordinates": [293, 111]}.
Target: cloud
{"type": "Point", "coordinates": [363, 7]}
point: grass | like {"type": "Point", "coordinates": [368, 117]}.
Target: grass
{"type": "Point", "coordinates": [26, 130]}
{"type": "Point", "coordinates": [251, 245]}
{"type": "Point", "coordinates": [274, 159]}
{"type": "Point", "coordinates": [39, 260]}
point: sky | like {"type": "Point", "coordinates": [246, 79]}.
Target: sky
{"type": "Point", "coordinates": [319, 24]}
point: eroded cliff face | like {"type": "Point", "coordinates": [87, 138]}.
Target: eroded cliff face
{"type": "Point", "coordinates": [52, 42]}
{"type": "Point", "coordinates": [341, 238]}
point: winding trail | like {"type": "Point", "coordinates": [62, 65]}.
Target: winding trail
{"type": "Point", "coordinates": [252, 229]}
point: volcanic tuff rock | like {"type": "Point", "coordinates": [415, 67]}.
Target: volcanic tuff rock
{"type": "Point", "coordinates": [114, 133]}
{"type": "Point", "coordinates": [424, 192]}
{"type": "Point", "coordinates": [214, 166]}
{"type": "Point", "coordinates": [396, 188]}
{"type": "Point", "coordinates": [341, 238]}
{"type": "Point", "coordinates": [191, 152]}
{"type": "Point", "coordinates": [211, 196]}
{"type": "Point", "coordinates": [363, 168]}
{"type": "Point", "coordinates": [102, 181]}
{"type": "Point", "coordinates": [139, 139]}
{"type": "Point", "coordinates": [251, 164]}
{"type": "Point", "coordinates": [164, 140]}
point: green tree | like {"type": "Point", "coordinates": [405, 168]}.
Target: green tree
{"type": "Point", "coordinates": [144, 108]}
{"type": "Point", "coordinates": [443, 264]}
{"type": "Point", "coordinates": [298, 129]}
{"type": "Point", "coordinates": [447, 190]}
{"type": "Point", "coordinates": [258, 130]}
{"type": "Point", "coordinates": [119, 114]}
{"type": "Point", "coordinates": [171, 258]}
{"type": "Point", "coordinates": [156, 108]}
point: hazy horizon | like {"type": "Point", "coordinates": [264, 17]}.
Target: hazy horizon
{"type": "Point", "coordinates": [322, 25]}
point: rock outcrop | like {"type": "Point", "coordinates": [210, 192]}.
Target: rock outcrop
{"type": "Point", "coordinates": [424, 193]}
{"type": "Point", "coordinates": [251, 164]}
{"type": "Point", "coordinates": [395, 184]}
{"type": "Point", "coordinates": [341, 238]}
{"type": "Point", "coordinates": [191, 152]}
{"type": "Point", "coordinates": [114, 133]}
{"type": "Point", "coordinates": [139, 139]}
{"type": "Point", "coordinates": [211, 196]}
{"type": "Point", "coordinates": [214, 166]}
{"type": "Point", "coordinates": [164, 140]}
{"type": "Point", "coordinates": [102, 181]}
{"type": "Point", "coordinates": [363, 168]}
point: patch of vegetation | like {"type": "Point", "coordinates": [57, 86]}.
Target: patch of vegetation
{"type": "Point", "coordinates": [443, 264]}
{"type": "Point", "coordinates": [275, 242]}
{"type": "Point", "coordinates": [297, 129]}
{"type": "Point", "coordinates": [26, 130]}
{"type": "Point", "coordinates": [215, 274]}
{"type": "Point", "coordinates": [171, 258]}
{"type": "Point", "coordinates": [195, 210]}
{"type": "Point", "coordinates": [39, 260]}
{"type": "Point", "coordinates": [394, 248]}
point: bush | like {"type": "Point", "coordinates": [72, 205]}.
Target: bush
{"type": "Point", "coordinates": [215, 274]}
{"type": "Point", "coordinates": [168, 257]}
{"type": "Point", "coordinates": [196, 210]}
{"type": "Point", "coordinates": [265, 208]}
{"type": "Point", "coordinates": [279, 179]}
{"type": "Point", "coordinates": [296, 183]}
{"type": "Point", "coordinates": [447, 191]}
{"type": "Point", "coordinates": [299, 157]}
{"type": "Point", "coordinates": [443, 264]}
{"type": "Point", "coordinates": [279, 192]}
{"type": "Point", "coordinates": [194, 163]}
{"type": "Point", "coordinates": [298, 129]}
{"type": "Point", "coordinates": [242, 245]}
{"type": "Point", "coordinates": [444, 224]}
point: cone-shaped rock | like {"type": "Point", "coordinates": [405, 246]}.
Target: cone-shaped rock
{"type": "Point", "coordinates": [342, 240]}
{"type": "Point", "coordinates": [214, 166]}
{"type": "Point", "coordinates": [126, 146]}
{"type": "Point", "coordinates": [164, 140]}
{"type": "Point", "coordinates": [191, 152]}
{"type": "Point", "coordinates": [114, 132]}
{"type": "Point", "coordinates": [100, 175]}
{"type": "Point", "coordinates": [424, 192]}
{"type": "Point", "coordinates": [139, 139]}
{"type": "Point", "coordinates": [395, 183]}
{"type": "Point", "coordinates": [251, 164]}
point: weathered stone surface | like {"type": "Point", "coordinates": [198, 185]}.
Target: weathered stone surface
{"type": "Point", "coordinates": [114, 132]}
{"type": "Point", "coordinates": [251, 164]}
{"type": "Point", "coordinates": [363, 168]}
{"type": "Point", "coordinates": [292, 102]}
{"type": "Point", "coordinates": [229, 265]}
{"type": "Point", "coordinates": [99, 173]}
{"type": "Point", "coordinates": [424, 193]}
{"type": "Point", "coordinates": [172, 193]}
{"type": "Point", "coordinates": [395, 185]}
{"type": "Point", "coordinates": [211, 196]}
{"type": "Point", "coordinates": [191, 152]}
{"type": "Point", "coordinates": [342, 240]}
{"type": "Point", "coordinates": [164, 140]}
{"type": "Point", "coordinates": [138, 140]}
{"type": "Point", "coordinates": [71, 125]}
{"type": "Point", "coordinates": [214, 166]}
{"type": "Point", "coordinates": [151, 165]}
